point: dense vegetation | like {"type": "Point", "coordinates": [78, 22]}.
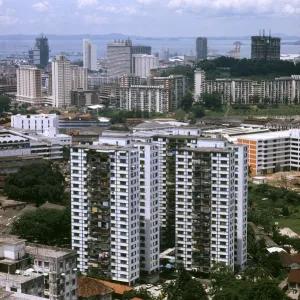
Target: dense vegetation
{"type": "Point", "coordinates": [37, 184]}
{"type": "Point", "coordinates": [120, 116]}
{"type": "Point", "coordinates": [4, 103]}
{"type": "Point", "coordinates": [231, 67]}
{"type": "Point", "coordinates": [225, 286]}
{"type": "Point", "coordinates": [45, 226]}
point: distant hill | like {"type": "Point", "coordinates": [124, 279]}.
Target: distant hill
{"type": "Point", "coordinates": [291, 43]}
{"type": "Point", "coordinates": [112, 36]}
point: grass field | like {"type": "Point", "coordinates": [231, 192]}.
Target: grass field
{"type": "Point", "coordinates": [291, 223]}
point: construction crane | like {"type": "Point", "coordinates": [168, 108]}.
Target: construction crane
{"type": "Point", "coordinates": [235, 53]}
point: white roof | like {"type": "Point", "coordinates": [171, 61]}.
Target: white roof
{"type": "Point", "coordinates": [266, 135]}
{"type": "Point", "coordinates": [95, 106]}
{"type": "Point", "coordinates": [275, 249]}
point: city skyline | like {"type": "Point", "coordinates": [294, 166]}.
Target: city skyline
{"type": "Point", "coordinates": [171, 17]}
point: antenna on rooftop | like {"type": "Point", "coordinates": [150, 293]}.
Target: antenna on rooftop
{"type": "Point", "coordinates": [263, 33]}
{"type": "Point", "coordinates": [270, 32]}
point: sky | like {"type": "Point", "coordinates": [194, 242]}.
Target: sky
{"type": "Point", "coordinates": [150, 17]}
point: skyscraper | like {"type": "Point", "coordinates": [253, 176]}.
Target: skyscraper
{"type": "Point", "coordinates": [119, 58]}
{"type": "Point", "coordinates": [89, 55]}
{"type": "Point", "coordinates": [61, 82]}
{"type": "Point", "coordinates": [265, 47]}
{"type": "Point", "coordinates": [42, 44]}
{"type": "Point", "coordinates": [201, 48]}
{"type": "Point", "coordinates": [39, 55]}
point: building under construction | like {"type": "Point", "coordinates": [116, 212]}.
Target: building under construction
{"type": "Point", "coordinates": [265, 47]}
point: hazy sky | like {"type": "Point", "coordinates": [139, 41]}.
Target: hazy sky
{"type": "Point", "coordinates": [150, 17]}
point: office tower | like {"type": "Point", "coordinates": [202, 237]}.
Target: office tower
{"type": "Point", "coordinates": [139, 49]}
{"type": "Point", "coordinates": [79, 78]}
{"type": "Point", "coordinates": [142, 64]}
{"type": "Point", "coordinates": [42, 44]}
{"type": "Point", "coordinates": [119, 58]}
{"type": "Point", "coordinates": [265, 47]}
{"type": "Point", "coordinates": [61, 82]}
{"type": "Point", "coordinates": [105, 210]}
{"type": "Point", "coordinates": [34, 57]}
{"type": "Point", "coordinates": [89, 55]}
{"type": "Point", "coordinates": [29, 85]}
{"type": "Point", "coordinates": [201, 48]}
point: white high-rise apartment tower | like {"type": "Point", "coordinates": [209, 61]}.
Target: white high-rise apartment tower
{"type": "Point", "coordinates": [29, 85]}
{"type": "Point", "coordinates": [79, 78]}
{"type": "Point", "coordinates": [105, 210]}
{"type": "Point", "coordinates": [89, 55]}
{"type": "Point", "coordinates": [61, 82]}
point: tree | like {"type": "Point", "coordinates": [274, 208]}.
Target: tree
{"type": "Point", "coordinates": [66, 154]}
{"type": "Point", "coordinates": [54, 111]}
{"type": "Point", "coordinates": [184, 288]}
{"type": "Point", "coordinates": [36, 183]}
{"type": "Point", "coordinates": [138, 293]}
{"type": "Point", "coordinates": [45, 226]}
{"type": "Point", "coordinates": [4, 103]}
{"type": "Point", "coordinates": [212, 101]}
{"type": "Point", "coordinates": [198, 111]}
{"type": "Point", "coordinates": [180, 115]}
{"type": "Point", "coordinates": [187, 102]}
{"type": "Point", "coordinates": [220, 276]}
{"type": "Point", "coordinates": [193, 291]}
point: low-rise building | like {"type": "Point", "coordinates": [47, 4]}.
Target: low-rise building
{"type": "Point", "coordinates": [273, 151]}
{"type": "Point", "coordinates": [91, 289]}
{"type": "Point", "coordinates": [18, 142]}
{"type": "Point", "coordinates": [58, 265]}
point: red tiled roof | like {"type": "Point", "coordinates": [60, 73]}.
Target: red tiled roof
{"type": "Point", "coordinates": [88, 287]}
{"type": "Point", "coordinates": [294, 276]}
{"type": "Point", "coordinates": [287, 259]}
{"type": "Point", "coordinates": [119, 288]}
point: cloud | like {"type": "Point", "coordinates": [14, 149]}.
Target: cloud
{"type": "Point", "coordinates": [1, 2]}
{"type": "Point", "coordinates": [291, 10]}
{"type": "Point", "coordinates": [179, 12]}
{"type": "Point", "coordinates": [118, 10]}
{"type": "Point", "coordinates": [245, 7]}
{"type": "Point", "coordinates": [95, 19]}
{"type": "Point", "coordinates": [145, 1]}
{"type": "Point", "coordinates": [8, 20]}
{"type": "Point", "coordinates": [42, 6]}
{"type": "Point", "coordinates": [84, 3]}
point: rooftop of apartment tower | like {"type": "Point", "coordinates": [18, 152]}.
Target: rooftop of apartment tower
{"type": "Point", "coordinates": [206, 149]}
{"type": "Point", "coordinates": [103, 147]}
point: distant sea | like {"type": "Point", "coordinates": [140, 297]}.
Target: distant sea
{"type": "Point", "coordinates": [179, 46]}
